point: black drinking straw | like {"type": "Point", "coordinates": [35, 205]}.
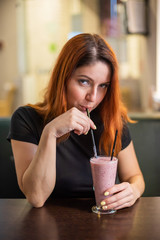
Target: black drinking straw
{"type": "Point", "coordinates": [114, 144]}
{"type": "Point", "coordinates": [93, 140]}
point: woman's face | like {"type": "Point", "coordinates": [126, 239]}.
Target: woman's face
{"type": "Point", "coordinates": [88, 86]}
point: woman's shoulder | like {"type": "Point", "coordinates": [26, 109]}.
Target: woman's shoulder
{"type": "Point", "coordinates": [27, 116]}
{"type": "Point", "coordinates": [26, 111]}
{"type": "Point", "coordinates": [26, 125]}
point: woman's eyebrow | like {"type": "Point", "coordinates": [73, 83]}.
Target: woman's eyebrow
{"type": "Point", "coordinates": [106, 82]}
{"type": "Point", "coordinates": [81, 75]}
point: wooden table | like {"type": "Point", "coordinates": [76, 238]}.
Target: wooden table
{"type": "Point", "coordinates": [72, 219]}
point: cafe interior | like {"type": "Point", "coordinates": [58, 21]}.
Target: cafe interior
{"type": "Point", "coordinates": [32, 33]}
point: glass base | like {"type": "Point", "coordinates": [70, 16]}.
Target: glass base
{"type": "Point", "coordinates": [100, 210]}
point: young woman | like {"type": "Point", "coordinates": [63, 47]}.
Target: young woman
{"type": "Point", "coordinates": [51, 141]}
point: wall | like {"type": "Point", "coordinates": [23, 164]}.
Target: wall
{"type": "Point", "coordinates": [148, 53]}
{"type": "Point", "coordinates": [45, 36]}
{"type": "Point", "coordinates": [8, 38]}
{"type": "Point", "coordinates": [33, 33]}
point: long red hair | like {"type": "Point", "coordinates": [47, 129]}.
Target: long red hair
{"type": "Point", "coordinates": [85, 49]}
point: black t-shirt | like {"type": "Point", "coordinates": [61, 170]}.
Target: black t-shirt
{"type": "Point", "coordinates": [73, 172]}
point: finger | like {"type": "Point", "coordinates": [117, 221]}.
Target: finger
{"type": "Point", "coordinates": [81, 125]}
{"type": "Point", "coordinates": [86, 122]}
{"type": "Point", "coordinates": [119, 198]}
{"type": "Point", "coordinates": [117, 188]}
{"type": "Point", "coordinates": [92, 125]}
{"type": "Point", "coordinates": [78, 123]}
{"type": "Point", "coordinates": [125, 202]}
{"type": "Point", "coordinates": [84, 117]}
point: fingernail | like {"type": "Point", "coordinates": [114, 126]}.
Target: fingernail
{"type": "Point", "coordinates": [103, 203]}
{"type": "Point", "coordinates": [86, 133]}
{"type": "Point", "coordinates": [106, 193]}
{"type": "Point", "coordinates": [95, 127]}
{"type": "Point", "coordinates": [104, 207]}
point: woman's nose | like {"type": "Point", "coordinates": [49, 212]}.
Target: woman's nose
{"type": "Point", "coordinates": [91, 95]}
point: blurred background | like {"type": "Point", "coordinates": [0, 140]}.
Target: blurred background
{"type": "Point", "coordinates": [32, 33]}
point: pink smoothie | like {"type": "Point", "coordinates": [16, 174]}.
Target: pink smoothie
{"type": "Point", "coordinates": [104, 174]}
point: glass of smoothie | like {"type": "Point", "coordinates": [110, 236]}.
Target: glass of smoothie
{"type": "Point", "coordinates": [104, 172]}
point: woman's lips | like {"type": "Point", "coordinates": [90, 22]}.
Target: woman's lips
{"type": "Point", "coordinates": [84, 108]}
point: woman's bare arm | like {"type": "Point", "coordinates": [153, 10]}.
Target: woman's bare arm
{"type": "Point", "coordinates": [36, 168]}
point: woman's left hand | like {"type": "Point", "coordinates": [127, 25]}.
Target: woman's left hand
{"type": "Point", "coordinates": [132, 183]}
{"type": "Point", "coordinates": [119, 196]}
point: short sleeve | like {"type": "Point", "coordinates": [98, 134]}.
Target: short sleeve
{"type": "Point", "coordinates": [126, 137]}
{"type": "Point", "coordinates": [26, 125]}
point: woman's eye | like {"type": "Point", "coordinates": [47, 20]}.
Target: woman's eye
{"type": "Point", "coordinates": [83, 81]}
{"type": "Point", "coordinates": [105, 85]}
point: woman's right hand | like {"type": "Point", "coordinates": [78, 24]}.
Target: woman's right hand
{"type": "Point", "coordinates": [72, 120]}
